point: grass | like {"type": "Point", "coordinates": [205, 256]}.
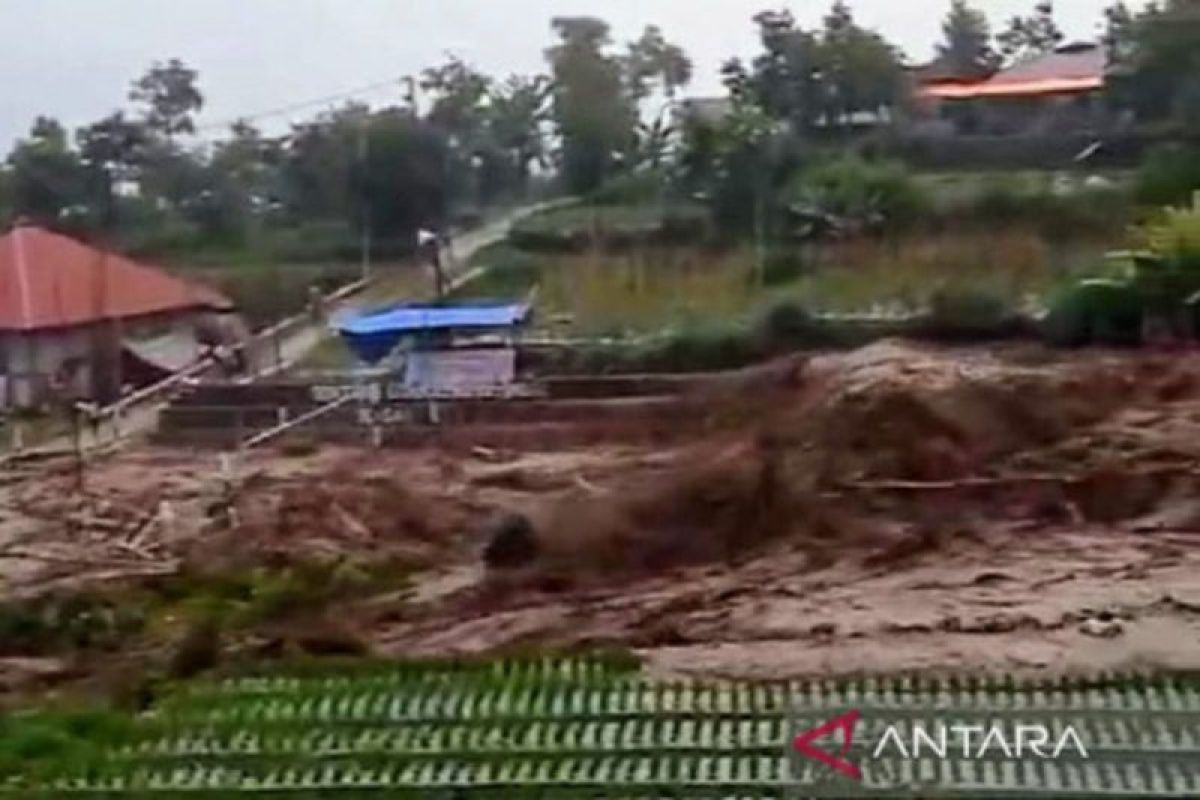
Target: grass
{"type": "Point", "coordinates": [710, 295]}
{"type": "Point", "coordinates": [175, 625]}
{"type": "Point", "coordinates": [554, 725]}
{"type": "Point", "coordinates": [652, 288]}
{"type": "Point", "coordinates": [575, 228]}
{"type": "Point", "coordinates": [266, 293]}
{"type": "Point", "coordinates": [907, 272]}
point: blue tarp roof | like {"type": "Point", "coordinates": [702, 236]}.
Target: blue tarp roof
{"type": "Point", "coordinates": [374, 334]}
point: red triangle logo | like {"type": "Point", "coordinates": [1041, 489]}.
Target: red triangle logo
{"type": "Point", "coordinates": [803, 744]}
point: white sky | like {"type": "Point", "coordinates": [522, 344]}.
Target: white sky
{"type": "Point", "coordinates": [74, 59]}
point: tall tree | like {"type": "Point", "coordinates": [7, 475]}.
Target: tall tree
{"type": "Point", "coordinates": [47, 179]}
{"type": "Point", "coordinates": [317, 163]}
{"type": "Point", "coordinates": [169, 97]}
{"type": "Point", "coordinates": [473, 165]}
{"type": "Point", "coordinates": [352, 166]}
{"type": "Point", "coordinates": [653, 62]}
{"type": "Point", "coordinates": [1160, 76]}
{"type": "Point", "coordinates": [516, 114]}
{"type": "Point", "coordinates": [1119, 33]}
{"type": "Point", "coordinates": [817, 77]}
{"type": "Point", "coordinates": [111, 149]}
{"type": "Point", "coordinates": [460, 93]}
{"type": "Point", "coordinates": [240, 184]}
{"type": "Point", "coordinates": [593, 114]}
{"type": "Point", "coordinates": [784, 80]}
{"type": "Point", "coordinates": [408, 153]}
{"type": "Point", "coordinates": [966, 50]}
{"type": "Point", "coordinates": [860, 71]}
{"type": "Point", "coordinates": [1032, 35]}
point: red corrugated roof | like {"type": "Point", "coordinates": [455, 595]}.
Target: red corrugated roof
{"type": "Point", "coordinates": [1074, 68]}
{"type": "Point", "coordinates": [48, 281]}
{"type": "Point", "coordinates": [953, 91]}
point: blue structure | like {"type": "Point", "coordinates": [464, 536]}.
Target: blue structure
{"type": "Point", "coordinates": [372, 335]}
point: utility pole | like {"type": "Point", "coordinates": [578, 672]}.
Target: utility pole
{"type": "Point", "coordinates": [364, 152]}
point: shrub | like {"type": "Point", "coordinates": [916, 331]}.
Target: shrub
{"type": "Point", "coordinates": [630, 189]}
{"type": "Point", "coordinates": [198, 650]}
{"type": "Point", "coordinates": [1169, 174]}
{"type": "Point", "coordinates": [1168, 276]}
{"type": "Point", "coordinates": [968, 313]}
{"type": "Point", "coordinates": [700, 346]}
{"type": "Point", "coordinates": [1175, 237]}
{"type": "Point", "coordinates": [784, 323]}
{"type": "Point", "coordinates": [33, 742]}
{"type": "Point", "coordinates": [507, 272]}
{"type": "Point", "coordinates": [1081, 211]}
{"type": "Point", "coordinates": [1095, 311]}
{"type": "Point", "coordinates": [783, 266]}
{"type": "Point", "coordinates": [999, 201]}
{"type": "Point", "coordinates": [1057, 212]}
{"type": "Point", "coordinates": [881, 193]}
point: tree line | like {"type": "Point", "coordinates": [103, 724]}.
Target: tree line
{"type": "Point", "coordinates": [601, 109]}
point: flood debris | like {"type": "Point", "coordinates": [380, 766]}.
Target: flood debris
{"type": "Point", "coordinates": [836, 509]}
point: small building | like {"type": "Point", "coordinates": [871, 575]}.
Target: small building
{"type": "Point", "coordinates": [1060, 91]}
{"type": "Point", "coordinates": [72, 317]}
{"type": "Point", "coordinates": [441, 350]}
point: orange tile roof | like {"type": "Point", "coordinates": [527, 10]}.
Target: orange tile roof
{"type": "Point", "coordinates": [49, 281]}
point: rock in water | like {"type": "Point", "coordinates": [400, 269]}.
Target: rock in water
{"type": "Point", "coordinates": [512, 542]}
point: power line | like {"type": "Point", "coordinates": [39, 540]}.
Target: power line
{"type": "Point", "coordinates": [301, 105]}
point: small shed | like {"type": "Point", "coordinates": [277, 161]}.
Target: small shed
{"type": "Point", "coordinates": [440, 349]}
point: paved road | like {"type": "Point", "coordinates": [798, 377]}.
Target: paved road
{"type": "Point", "coordinates": [294, 344]}
{"type": "Point", "coordinates": [298, 344]}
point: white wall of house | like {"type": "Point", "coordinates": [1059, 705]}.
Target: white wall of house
{"type": "Point", "coordinates": [32, 361]}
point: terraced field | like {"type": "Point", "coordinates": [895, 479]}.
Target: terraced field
{"type": "Point", "coordinates": [599, 728]}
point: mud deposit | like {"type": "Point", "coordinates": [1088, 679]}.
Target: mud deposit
{"type": "Point", "coordinates": [892, 508]}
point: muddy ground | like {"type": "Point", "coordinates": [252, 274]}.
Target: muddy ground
{"type": "Point", "coordinates": [894, 508]}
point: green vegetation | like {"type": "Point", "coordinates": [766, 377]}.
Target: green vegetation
{"type": "Point", "coordinates": [1095, 311]}
{"type": "Point", "coordinates": [1170, 174]}
{"type": "Point", "coordinates": [561, 726]}
{"type": "Point", "coordinates": [877, 193]}
{"type": "Point", "coordinates": [266, 292]}
{"type": "Point", "coordinates": [189, 622]}
{"type": "Point", "coordinates": [1160, 285]}
{"type": "Point", "coordinates": [646, 289]}
{"type": "Point", "coordinates": [582, 227]}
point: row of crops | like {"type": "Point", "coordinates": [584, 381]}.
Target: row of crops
{"type": "Point", "coordinates": [598, 728]}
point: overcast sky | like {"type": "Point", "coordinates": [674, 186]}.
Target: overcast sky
{"type": "Point", "coordinates": [74, 59]}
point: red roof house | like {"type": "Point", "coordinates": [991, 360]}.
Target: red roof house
{"type": "Point", "coordinates": [51, 281]}
{"type": "Point", "coordinates": [1054, 93]}
{"type": "Point", "coordinates": [1068, 70]}
{"type": "Point", "coordinates": [60, 299]}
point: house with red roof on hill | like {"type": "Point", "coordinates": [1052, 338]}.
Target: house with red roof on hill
{"type": "Point", "coordinates": [1054, 92]}
{"type": "Point", "coordinates": [75, 319]}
